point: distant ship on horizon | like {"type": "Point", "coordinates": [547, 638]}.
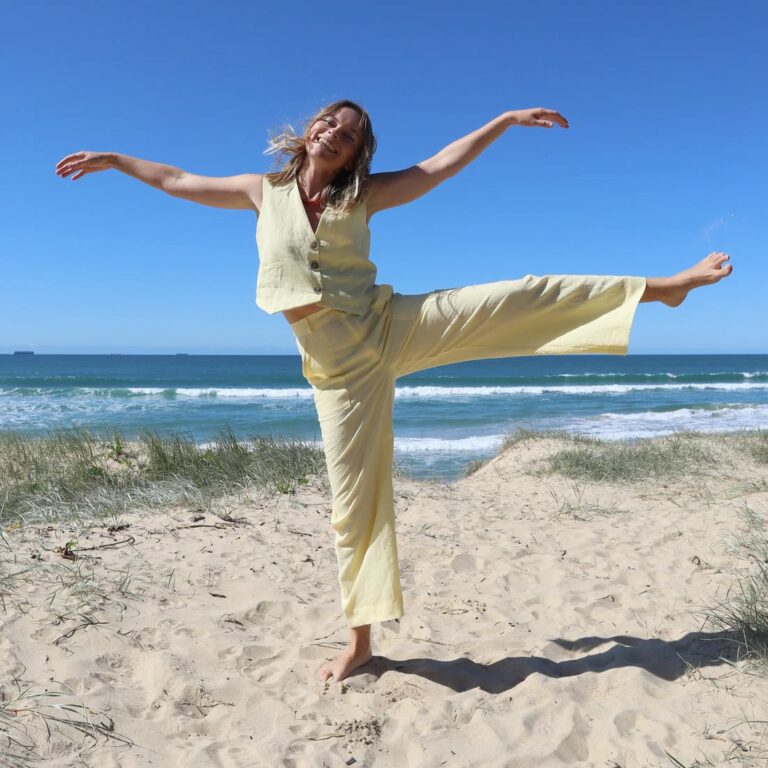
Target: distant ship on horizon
{"type": "Point", "coordinates": [23, 352]}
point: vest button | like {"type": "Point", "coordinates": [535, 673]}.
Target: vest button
{"type": "Point", "coordinates": [318, 289]}
{"type": "Point", "coordinates": [315, 265]}
{"type": "Point", "coordinates": [314, 245]}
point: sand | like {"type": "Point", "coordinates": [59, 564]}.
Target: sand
{"type": "Point", "coordinates": [549, 622]}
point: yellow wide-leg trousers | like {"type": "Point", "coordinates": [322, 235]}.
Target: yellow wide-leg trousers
{"type": "Point", "coordinates": [352, 363]}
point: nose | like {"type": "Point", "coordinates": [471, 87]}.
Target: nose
{"type": "Point", "coordinates": [332, 137]}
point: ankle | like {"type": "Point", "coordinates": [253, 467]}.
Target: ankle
{"type": "Point", "coordinates": [360, 639]}
{"type": "Point", "coordinates": [359, 652]}
{"type": "Point", "coordinates": [655, 288]}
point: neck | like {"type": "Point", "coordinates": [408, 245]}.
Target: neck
{"type": "Point", "coordinates": [312, 180]}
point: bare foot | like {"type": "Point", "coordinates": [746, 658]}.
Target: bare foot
{"type": "Point", "coordinates": [347, 661]}
{"type": "Point", "coordinates": [709, 270]}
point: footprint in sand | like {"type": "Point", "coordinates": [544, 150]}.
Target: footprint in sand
{"type": "Point", "coordinates": [175, 628]}
{"type": "Point", "coordinates": [247, 658]}
{"type": "Point", "coordinates": [625, 722]}
{"type": "Point", "coordinates": [148, 639]}
{"type": "Point", "coordinates": [464, 563]}
{"type": "Point", "coordinates": [112, 661]}
{"type": "Point", "coordinates": [574, 746]}
{"type": "Point", "coordinates": [195, 702]}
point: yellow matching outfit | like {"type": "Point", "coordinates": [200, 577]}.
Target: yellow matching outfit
{"type": "Point", "coordinates": [366, 336]}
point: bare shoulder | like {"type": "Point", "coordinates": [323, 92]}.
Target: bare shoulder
{"type": "Point", "coordinates": [393, 188]}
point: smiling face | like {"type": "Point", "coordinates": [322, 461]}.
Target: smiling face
{"type": "Point", "coordinates": [335, 140]}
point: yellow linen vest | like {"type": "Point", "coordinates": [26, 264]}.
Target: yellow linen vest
{"type": "Point", "coordinates": [298, 266]}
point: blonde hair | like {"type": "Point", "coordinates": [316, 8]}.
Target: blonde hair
{"type": "Point", "coordinates": [348, 188]}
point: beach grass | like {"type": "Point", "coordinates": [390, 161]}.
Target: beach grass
{"type": "Point", "coordinates": [597, 460]}
{"type": "Point", "coordinates": [745, 608]}
{"type": "Point", "coordinates": [521, 435]}
{"type": "Point", "coordinates": [757, 445]}
{"type": "Point", "coordinates": [635, 460]}
{"type": "Point", "coordinates": [472, 466]}
{"type": "Point", "coordinates": [31, 718]}
{"type": "Point", "coordinates": [75, 474]}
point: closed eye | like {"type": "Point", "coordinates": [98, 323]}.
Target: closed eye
{"type": "Point", "coordinates": [347, 136]}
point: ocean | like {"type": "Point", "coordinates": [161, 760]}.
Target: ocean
{"type": "Point", "coordinates": [443, 417]}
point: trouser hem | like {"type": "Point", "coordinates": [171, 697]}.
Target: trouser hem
{"type": "Point", "coordinates": [364, 616]}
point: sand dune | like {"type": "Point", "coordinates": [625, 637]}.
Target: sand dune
{"type": "Point", "coordinates": [549, 622]}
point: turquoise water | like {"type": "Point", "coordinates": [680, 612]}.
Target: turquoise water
{"type": "Point", "coordinates": [443, 417]}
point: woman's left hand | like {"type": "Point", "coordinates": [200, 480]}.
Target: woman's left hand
{"type": "Point", "coordinates": [543, 118]}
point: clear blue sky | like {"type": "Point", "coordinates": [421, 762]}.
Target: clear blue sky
{"type": "Point", "coordinates": [665, 160]}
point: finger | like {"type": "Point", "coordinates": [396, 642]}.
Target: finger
{"type": "Point", "coordinates": [69, 158]}
{"type": "Point", "coordinates": [556, 116]}
{"type": "Point", "coordinates": [67, 169]}
{"type": "Point", "coordinates": [543, 123]}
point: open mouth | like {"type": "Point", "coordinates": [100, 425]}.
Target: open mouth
{"type": "Point", "coordinates": [332, 151]}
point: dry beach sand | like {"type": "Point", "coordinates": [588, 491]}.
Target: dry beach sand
{"type": "Point", "coordinates": [549, 622]}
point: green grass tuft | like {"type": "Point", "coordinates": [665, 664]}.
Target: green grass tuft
{"type": "Point", "coordinates": [758, 446]}
{"type": "Point", "coordinates": [745, 609]}
{"type": "Point", "coordinates": [472, 466]}
{"type": "Point", "coordinates": [74, 474]}
{"type": "Point", "coordinates": [606, 461]}
{"type": "Point", "coordinates": [521, 435]}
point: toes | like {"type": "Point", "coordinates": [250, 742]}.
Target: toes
{"type": "Point", "coordinates": [722, 266]}
{"type": "Point", "coordinates": [717, 261]}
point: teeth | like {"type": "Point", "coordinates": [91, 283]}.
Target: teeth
{"type": "Point", "coordinates": [326, 146]}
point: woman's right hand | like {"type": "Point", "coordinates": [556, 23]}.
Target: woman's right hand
{"type": "Point", "coordinates": [81, 163]}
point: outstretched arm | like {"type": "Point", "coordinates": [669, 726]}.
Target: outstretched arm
{"type": "Point", "coordinates": [386, 190]}
{"type": "Point", "coordinates": [238, 192]}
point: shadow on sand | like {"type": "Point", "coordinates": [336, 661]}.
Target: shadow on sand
{"type": "Point", "coordinates": [663, 658]}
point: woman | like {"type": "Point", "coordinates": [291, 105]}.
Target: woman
{"type": "Point", "coordinates": [357, 337]}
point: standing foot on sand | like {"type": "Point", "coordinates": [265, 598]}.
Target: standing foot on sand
{"type": "Point", "coordinates": [344, 664]}
{"type": "Point", "coordinates": [357, 653]}
{"type": "Point", "coordinates": [673, 290]}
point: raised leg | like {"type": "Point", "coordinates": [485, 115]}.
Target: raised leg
{"type": "Point", "coordinates": [549, 315]}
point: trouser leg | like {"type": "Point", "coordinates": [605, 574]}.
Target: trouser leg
{"type": "Point", "coordinates": [553, 314]}
{"type": "Point", "coordinates": [359, 446]}
{"type": "Point", "coordinates": [354, 394]}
